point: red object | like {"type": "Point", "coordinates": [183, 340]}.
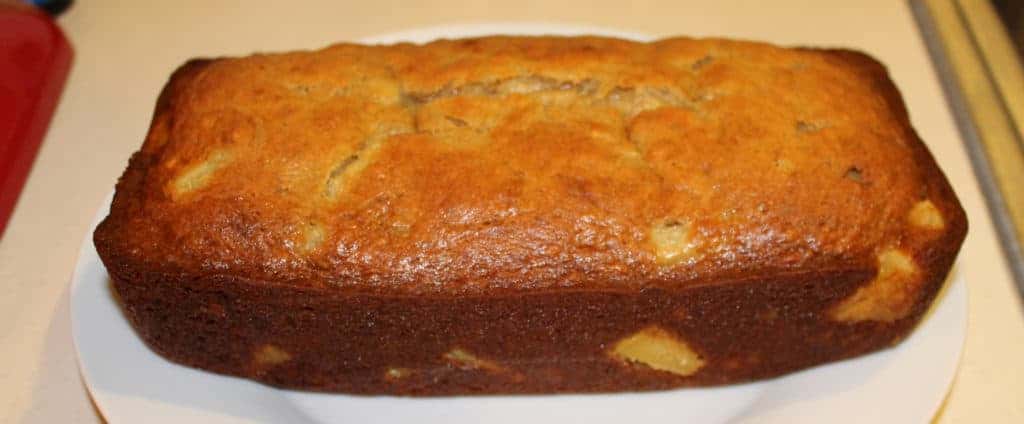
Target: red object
{"type": "Point", "coordinates": [34, 62]}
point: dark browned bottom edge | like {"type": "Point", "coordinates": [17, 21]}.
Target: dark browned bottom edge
{"type": "Point", "coordinates": [547, 342]}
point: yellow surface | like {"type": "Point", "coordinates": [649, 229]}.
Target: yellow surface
{"type": "Point", "coordinates": [125, 51]}
{"type": "Point", "coordinates": [992, 85]}
{"type": "Point", "coordinates": [990, 81]}
{"type": "Point", "coordinates": [997, 49]}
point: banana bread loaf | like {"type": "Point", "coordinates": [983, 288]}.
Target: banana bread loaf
{"type": "Point", "coordinates": [528, 215]}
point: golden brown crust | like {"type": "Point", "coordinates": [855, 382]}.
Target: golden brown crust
{"type": "Point", "coordinates": [473, 179]}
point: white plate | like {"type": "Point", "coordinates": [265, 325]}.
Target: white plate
{"type": "Point", "coordinates": [130, 383]}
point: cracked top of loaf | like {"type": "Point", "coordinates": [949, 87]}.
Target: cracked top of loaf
{"type": "Point", "coordinates": [524, 163]}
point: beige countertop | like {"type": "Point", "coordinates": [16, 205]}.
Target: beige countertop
{"type": "Point", "coordinates": [126, 50]}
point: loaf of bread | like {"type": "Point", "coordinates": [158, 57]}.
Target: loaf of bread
{"type": "Point", "coordinates": [528, 215]}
